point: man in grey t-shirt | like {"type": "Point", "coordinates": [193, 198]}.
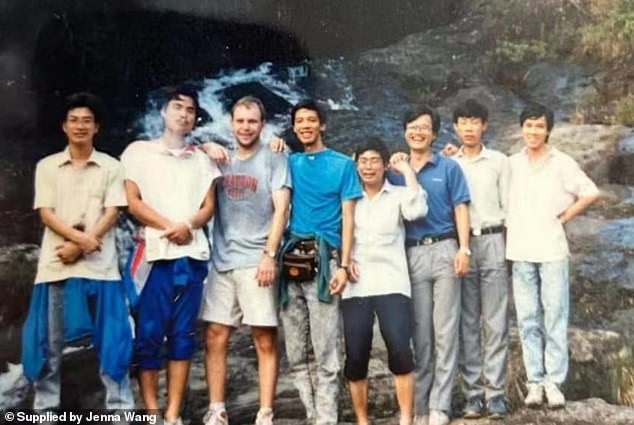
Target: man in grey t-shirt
{"type": "Point", "coordinates": [252, 201]}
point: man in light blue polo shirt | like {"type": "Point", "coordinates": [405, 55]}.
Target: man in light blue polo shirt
{"type": "Point", "coordinates": [438, 256]}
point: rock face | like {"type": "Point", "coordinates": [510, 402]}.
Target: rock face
{"type": "Point", "coordinates": [17, 270]}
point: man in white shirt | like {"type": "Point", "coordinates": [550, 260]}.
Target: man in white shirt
{"type": "Point", "coordinates": [485, 287]}
{"type": "Point", "coordinates": [168, 185]}
{"type": "Point", "coordinates": [546, 190]}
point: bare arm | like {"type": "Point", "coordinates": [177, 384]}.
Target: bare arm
{"type": "Point", "coordinates": [461, 261]}
{"type": "Point", "coordinates": [86, 242]}
{"type": "Point", "coordinates": [265, 273]}
{"type": "Point", "coordinates": [347, 230]}
{"type": "Point", "coordinates": [580, 205]}
{"type": "Point", "coordinates": [206, 211]}
{"type": "Point", "coordinates": [281, 202]}
{"type": "Point", "coordinates": [105, 223]}
{"type": "Point", "coordinates": [143, 212]}
{"type": "Point", "coordinates": [340, 277]}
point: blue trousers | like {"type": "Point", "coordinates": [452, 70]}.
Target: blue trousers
{"type": "Point", "coordinates": [168, 308]}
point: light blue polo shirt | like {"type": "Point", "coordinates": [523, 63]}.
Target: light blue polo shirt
{"type": "Point", "coordinates": [446, 188]}
{"type": "Point", "coordinates": [321, 182]}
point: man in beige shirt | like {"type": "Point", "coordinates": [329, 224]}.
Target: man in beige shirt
{"type": "Point", "coordinates": [77, 194]}
{"type": "Point", "coordinates": [484, 297]}
{"type": "Point", "coordinates": [547, 189]}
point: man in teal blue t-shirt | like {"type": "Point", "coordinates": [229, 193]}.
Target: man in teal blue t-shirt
{"type": "Point", "coordinates": [325, 189]}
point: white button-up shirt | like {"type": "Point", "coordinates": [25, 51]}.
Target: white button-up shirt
{"type": "Point", "coordinates": [487, 177]}
{"type": "Point", "coordinates": [379, 240]}
{"type": "Point", "coordinates": [173, 183]}
{"type": "Point", "coordinates": [538, 194]}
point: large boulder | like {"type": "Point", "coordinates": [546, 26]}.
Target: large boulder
{"type": "Point", "coordinates": [17, 270]}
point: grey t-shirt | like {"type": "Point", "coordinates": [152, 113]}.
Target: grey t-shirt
{"type": "Point", "coordinates": [244, 207]}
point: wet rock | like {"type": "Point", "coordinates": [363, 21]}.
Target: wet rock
{"type": "Point", "coordinates": [561, 86]}
{"type": "Point", "coordinates": [603, 251]}
{"type": "Point", "coordinates": [622, 164]}
{"type": "Point", "coordinates": [17, 270]}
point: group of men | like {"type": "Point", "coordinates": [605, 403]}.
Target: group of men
{"type": "Point", "coordinates": [429, 258]}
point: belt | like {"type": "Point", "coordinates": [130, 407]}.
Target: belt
{"type": "Point", "coordinates": [309, 246]}
{"type": "Point", "coordinates": [428, 240]}
{"type": "Point", "coordinates": [487, 230]}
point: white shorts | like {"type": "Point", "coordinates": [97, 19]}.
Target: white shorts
{"type": "Point", "coordinates": [233, 298]}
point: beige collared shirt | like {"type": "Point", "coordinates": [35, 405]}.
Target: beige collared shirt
{"type": "Point", "coordinates": [487, 177]}
{"type": "Point", "coordinates": [174, 183]}
{"type": "Point", "coordinates": [538, 194]}
{"type": "Point", "coordinates": [78, 196]}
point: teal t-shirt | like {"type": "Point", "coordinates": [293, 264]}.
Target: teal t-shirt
{"type": "Point", "coordinates": [321, 182]}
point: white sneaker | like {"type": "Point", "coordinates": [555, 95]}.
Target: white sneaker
{"type": "Point", "coordinates": [438, 417]}
{"type": "Point", "coordinates": [421, 420]}
{"type": "Point", "coordinates": [554, 396]}
{"type": "Point", "coordinates": [216, 417]}
{"type": "Point", "coordinates": [177, 421]}
{"type": "Point", "coordinates": [264, 416]}
{"type": "Point", "coordinates": [535, 396]}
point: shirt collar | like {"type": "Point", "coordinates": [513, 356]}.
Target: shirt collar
{"type": "Point", "coordinates": [387, 187]}
{"type": "Point", "coordinates": [65, 158]}
{"type": "Point", "coordinates": [186, 151]}
{"type": "Point", "coordinates": [552, 151]}
{"type": "Point", "coordinates": [484, 153]}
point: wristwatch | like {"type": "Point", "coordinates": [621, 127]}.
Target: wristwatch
{"type": "Point", "coordinates": [346, 269]}
{"type": "Point", "coordinates": [271, 254]}
{"type": "Point", "coordinates": [466, 251]}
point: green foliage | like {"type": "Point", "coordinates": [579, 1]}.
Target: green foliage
{"type": "Point", "coordinates": [518, 33]}
{"type": "Point", "coordinates": [509, 52]}
{"type": "Point", "coordinates": [609, 37]}
{"type": "Point", "coordinates": [624, 110]}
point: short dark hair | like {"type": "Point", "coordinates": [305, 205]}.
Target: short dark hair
{"type": "Point", "coordinates": [535, 110]}
{"type": "Point", "coordinates": [372, 144]}
{"type": "Point", "coordinates": [311, 105]}
{"type": "Point", "coordinates": [184, 90]}
{"type": "Point", "coordinates": [419, 111]}
{"type": "Point", "coordinates": [471, 108]}
{"type": "Point", "coordinates": [84, 100]}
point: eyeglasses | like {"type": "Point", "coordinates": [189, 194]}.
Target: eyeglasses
{"type": "Point", "coordinates": [369, 161]}
{"type": "Point", "coordinates": [423, 127]}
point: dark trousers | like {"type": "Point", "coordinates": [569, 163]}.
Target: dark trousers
{"type": "Point", "coordinates": [395, 322]}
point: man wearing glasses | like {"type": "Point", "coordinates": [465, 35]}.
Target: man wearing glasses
{"type": "Point", "coordinates": [438, 256]}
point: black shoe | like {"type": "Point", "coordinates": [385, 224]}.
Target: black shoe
{"type": "Point", "coordinates": [496, 407]}
{"type": "Point", "coordinates": [473, 408]}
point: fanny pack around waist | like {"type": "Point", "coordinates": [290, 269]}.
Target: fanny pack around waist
{"type": "Point", "coordinates": [300, 263]}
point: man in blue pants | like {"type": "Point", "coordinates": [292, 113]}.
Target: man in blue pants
{"type": "Point", "coordinates": [168, 185]}
{"type": "Point", "coordinates": [78, 290]}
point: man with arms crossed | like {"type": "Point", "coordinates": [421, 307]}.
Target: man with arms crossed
{"type": "Point", "coordinates": [77, 194]}
{"type": "Point", "coordinates": [485, 287]}
{"type": "Point", "coordinates": [169, 189]}
{"type": "Point", "coordinates": [438, 256]}
{"type": "Point", "coordinates": [547, 189]}
{"type": "Point", "coordinates": [252, 211]}
{"type": "Point", "coordinates": [325, 187]}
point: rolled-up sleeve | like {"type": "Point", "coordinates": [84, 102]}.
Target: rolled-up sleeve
{"type": "Point", "coordinates": [413, 203]}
